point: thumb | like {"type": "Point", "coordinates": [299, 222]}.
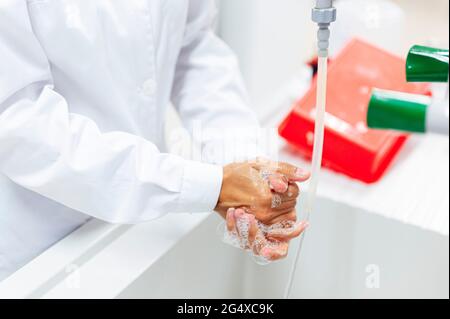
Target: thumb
{"type": "Point", "coordinates": [278, 182]}
{"type": "Point", "coordinates": [291, 172]}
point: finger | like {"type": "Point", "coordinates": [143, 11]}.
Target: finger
{"type": "Point", "coordinates": [231, 222]}
{"type": "Point", "coordinates": [278, 183]}
{"type": "Point", "coordinates": [275, 251]}
{"type": "Point", "coordinates": [262, 162]}
{"type": "Point", "coordinates": [292, 193]}
{"type": "Point", "coordinates": [253, 230]}
{"type": "Point", "coordinates": [239, 215]}
{"type": "Point", "coordinates": [287, 234]}
{"type": "Point", "coordinates": [290, 216]}
{"type": "Point", "coordinates": [280, 203]}
{"type": "Point", "coordinates": [264, 165]}
{"type": "Point", "coordinates": [293, 173]}
{"type": "Point", "coordinates": [259, 242]}
{"type": "Point", "coordinates": [244, 222]}
{"type": "Point", "coordinates": [290, 197]}
{"type": "Point", "coordinates": [277, 215]}
{"type": "Point", "coordinates": [287, 201]}
{"type": "Point", "coordinates": [284, 208]}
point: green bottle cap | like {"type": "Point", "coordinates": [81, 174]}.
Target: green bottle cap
{"type": "Point", "coordinates": [425, 64]}
{"type": "Point", "coordinates": [397, 111]}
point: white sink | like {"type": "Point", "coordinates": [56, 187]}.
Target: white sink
{"type": "Point", "coordinates": [343, 253]}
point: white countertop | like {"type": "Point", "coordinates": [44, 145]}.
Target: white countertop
{"type": "Point", "coordinates": [108, 257]}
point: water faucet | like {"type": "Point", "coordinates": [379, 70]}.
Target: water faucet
{"type": "Point", "coordinates": [323, 14]}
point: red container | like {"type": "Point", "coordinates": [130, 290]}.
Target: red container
{"type": "Point", "coordinates": [350, 147]}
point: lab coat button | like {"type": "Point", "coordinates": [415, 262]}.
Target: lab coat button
{"type": "Point", "coordinates": [149, 88]}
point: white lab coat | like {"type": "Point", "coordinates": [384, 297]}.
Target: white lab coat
{"type": "Point", "coordinates": [84, 87]}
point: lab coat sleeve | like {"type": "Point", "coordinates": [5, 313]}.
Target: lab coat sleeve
{"type": "Point", "coordinates": [209, 93]}
{"type": "Point", "coordinates": [113, 176]}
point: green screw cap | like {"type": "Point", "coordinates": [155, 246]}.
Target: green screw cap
{"type": "Point", "coordinates": [397, 111]}
{"type": "Point", "coordinates": [425, 64]}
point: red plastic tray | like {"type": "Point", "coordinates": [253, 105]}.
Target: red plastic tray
{"type": "Point", "coordinates": [350, 147]}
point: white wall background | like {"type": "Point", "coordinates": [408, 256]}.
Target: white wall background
{"type": "Point", "coordinates": [427, 22]}
{"type": "Point", "coordinates": [272, 39]}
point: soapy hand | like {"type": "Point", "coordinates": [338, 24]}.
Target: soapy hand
{"type": "Point", "coordinates": [258, 201]}
{"type": "Point", "coordinates": [266, 243]}
{"type": "Point", "coordinates": [262, 188]}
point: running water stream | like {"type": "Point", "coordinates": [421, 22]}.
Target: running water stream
{"type": "Point", "coordinates": [319, 133]}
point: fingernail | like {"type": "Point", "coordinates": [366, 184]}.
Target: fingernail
{"type": "Point", "coordinates": [301, 173]}
{"type": "Point", "coordinates": [276, 183]}
{"type": "Point", "coordinates": [279, 185]}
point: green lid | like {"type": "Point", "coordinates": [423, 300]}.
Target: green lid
{"type": "Point", "coordinates": [397, 111]}
{"type": "Point", "coordinates": [425, 64]}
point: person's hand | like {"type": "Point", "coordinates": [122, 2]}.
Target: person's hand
{"type": "Point", "coordinates": [268, 243]}
{"type": "Point", "coordinates": [264, 189]}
